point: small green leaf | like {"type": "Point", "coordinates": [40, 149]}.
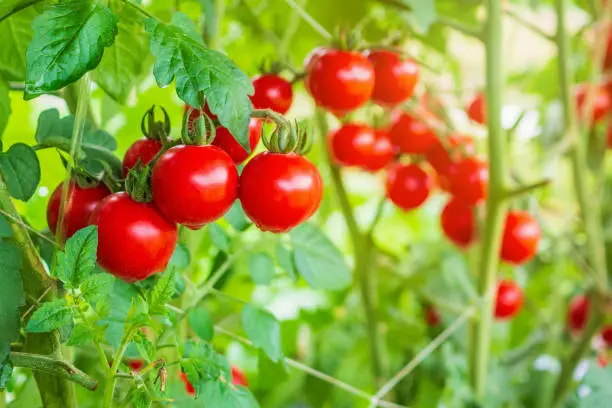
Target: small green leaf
{"type": "Point", "coordinates": [237, 218]}
{"type": "Point", "coordinates": [181, 259]}
{"type": "Point", "coordinates": [202, 364]}
{"type": "Point", "coordinates": [316, 258]}
{"type": "Point", "coordinates": [16, 34]}
{"type": "Point", "coordinates": [5, 105]}
{"type": "Point", "coordinates": [21, 170]}
{"type": "Point", "coordinates": [423, 13]}
{"type": "Point", "coordinates": [263, 330]}
{"type": "Point", "coordinates": [162, 292]}
{"type": "Point", "coordinates": [80, 335]}
{"type": "Point", "coordinates": [97, 287]}
{"type": "Point", "coordinates": [79, 258]}
{"type": "Point", "coordinates": [261, 267]}
{"type": "Point", "coordinates": [140, 398]}
{"type": "Point", "coordinates": [221, 394]}
{"type": "Point", "coordinates": [276, 373]}
{"type": "Point", "coordinates": [180, 53]}
{"type": "Point", "coordinates": [5, 227]}
{"type": "Point", "coordinates": [219, 237]}
{"type": "Point", "coordinates": [50, 316]}
{"type": "Point", "coordinates": [6, 371]}
{"type": "Point", "coordinates": [69, 40]}
{"type": "Point", "coordinates": [285, 260]}
{"type": "Point", "coordinates": [11, 296]}
{"type": "Point", "coordinates": [202, 324]}
{"type": "Point", "coordinates": [145, 347]}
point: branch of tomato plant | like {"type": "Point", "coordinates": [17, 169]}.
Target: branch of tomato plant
{"type": "Point", "coordinates": [495, 203]}
{"type": "Point", "coordinates": [529, 188]}
{"type": "Point", "coordinates": [310, 20]}
{"type": "Point", "coordinates": [293, 23]}
{"type": "Point", "coordinates": [53, 367]}
{"type": "Point", "coordinates": [257, 24]}
{"type": "Point", "coordinates": [514, 15]}
{"type": "Point", "coordinates": [109, 387]}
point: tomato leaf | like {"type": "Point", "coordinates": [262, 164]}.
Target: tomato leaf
{"type": "Point", "coordinates": [6, 371]}
{"type": "Point", "coordinates": [200, 72]}
{"type": "Point", "coordinates": [222, 394]}
{"type": "Point", "coordinates": [162, 292]}
{"type": "Point", "coordinates": [276, 373]}
{"type": "Point", "coordinates": [144, 345]}
{"type": "Point", "coordinates": [125, 60]}
{"type": "Point", "coordinates": [237, 218]}
{"type": "Point", "coordinates": [219, 237]}
{"type": "Point", "coordinates": [5, 106]}
{"type": "Point", "coordinates": [317, 260]}
{"type": "Point", "coordinates": [202, 324]}
{"type": "Point", "coordinates": [5, 228]}
{"type": "Point", "coordinates": [21, 170]}
{"type": "Point", "coordinates": [11, 296]}
{"type": "Point", "coordinates": [16, 34]}
{"type": "Point", "coordinates": [50, 316]}
{"type": "Point", "coordinates": [263, 330]}
{"type": "Point", "coordinates": [262, 268]}
{"type": "Point", "coordinates": [423, 13]}
{"type": "Point", "coordinates": [202, 364]}
{"type": "Point", "coordinates": [97, 287]}
{"type": "Point", "coordinates": [80, 335]}
{"type": "Point", "coordinates": [79, 259]}
{"type": "Point", "coordinates": [285, 259]}
{"type": "Point", "coordinates": [69, 40]}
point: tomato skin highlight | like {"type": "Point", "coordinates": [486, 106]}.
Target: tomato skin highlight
{"type": "Point", "coordinates": [408, 186]}
{"type": "Point", "coordinates": [458, 223]}
{"type": "Point", "coordinates": [469, 180]}
{"type": "Point", "coordinates": [477, 109]}
{"type": "Point", "coordinates": [509, 299]}
{"type": "Point", "coordinates": [601, 103]}
{"type": "Point", "coordinates": [521, 237]}
{"type": "Point", "coordinates": [144, 150]}
{"type": "Point", "coordinates": [382, 152]}
{"type": "Point", "coordinates": [351, 144]}
{"type": "Point", "coordinates": [578, 313]}
{"type": "Point", "coordinates": [410, 135]}
{"type": "Point", "coordinates": [194, 185]}
{"type": "Point", "coordinates": [395, 77]}
{"type": "Point", "coordinates": [279, 191]}
{"type": "Point", "coordinates": [134, 239]}
{"type": "Point", "coordinates": [225, 140]}
{"type": "Point", "coordinates": [272, 92]}
{"type": "Point", "coordinates": [80, 204]}
{"type": "Point", "coordinates": [339, 81]}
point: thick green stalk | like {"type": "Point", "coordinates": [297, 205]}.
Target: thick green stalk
{"type": "Point", "coordinates": [109, 387]}
{"type": "Point", "coordinates": [53, 367]}
{"type": "Point", "coordinates": [495, 206]}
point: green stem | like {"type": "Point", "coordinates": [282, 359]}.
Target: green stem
{"type": "Point", "coordinates": [213, 16]}
{"type": "Point", "coordinates": [54, 367]}
{"type": "Point", "coordinates": [310, 20]}
{"type": "Point", "coordinates": [109, 388]}
{"type": "Point", "coordinates": [495, 206]}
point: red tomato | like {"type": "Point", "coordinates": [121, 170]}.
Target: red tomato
{"type": "Point", "coordinates": [578, 313]}
{"type": "Point", "coordinates": [509, 300]}
{"type": "Point", "coordinates": [136, 364]}
{"type": "Point", "coordinates": [225, 140]}
{"type": "Point", "coordinates": [352, 144]}
{"type": "Point", "coordinates": [272, 92]}
{"type": "Point", "coordinates": [279, 191]}
{"type": "Point", "coordinates": [143, 150]}
{"type": "Point", "coordinates": [197, 112]}
{"type": "Point", "coordinates": [469, 180]}
{"type": "Point", "coordinates": [408, 186]}
{"type": "Point", "coordinates": [188, 387]}
{"type": "Point", "coordinates": [340, 81]}
{"type": "Point", "coordinates": [80, 203]}
{"type": "Point", "coordinates": [439, 158]}
{"type": "Point", "coordinates": [606, 336]}
{"type": "Point", "coordinates": [457, 220]}
{"type": "Point", "coordinates": [521, 237]}
{"type": "Point", "coordinates": [431, 104]}
{"type": "Point", "coordinates": [432, 317]}
{"type": "Point", "coordinates": [382, 152]}
{"type": "Point", "coordinates": [194, 185]}
{"type": "Point", "coordinates": [462, 143]}
{"type": "Point", "coordinates": [395, 77]}
{"type": "Point", "coordinates": [477, 109]}
{"type": "Point", "coordinates": [411, 135]}
{"type": "Point", "coordinates": [238, 377]}
{"type": "Point", "coordinates": [134, 239]}
{"type": "Point", "coordinates": [601, 102]}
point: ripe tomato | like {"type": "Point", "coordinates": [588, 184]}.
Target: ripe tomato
{"type": "Point", "coordinates": [279, 191]}
{"type": "Point", "coordinates": [136, 364]}
{"type": "Point", "coordinates": [606, 336]}
{"type": "Point", "coordinates": [134, 239]}
{"type": "Point", "coordinates": [521, 237]}
{"type": "Point", "coordinates": [469, 180]}
{"type": "Point", "coordinates": [225, 140]}
{"type": "Point", "coordinates": [352, 144]}
{"type": "Point", "coordinates": [340, 81]}
{"type": "Point", "coordinates": [395, 77]}
{"type": "Point", "coordinates": [238, 377]}
{"type": "Point", "coordinates": [80, 203]}
{"type": "Point", "coordinates": [382, 152]}
{"type": "Point", "coordinates": [411, 135]}
{"type": "Point", "coordinates": [408, 186]}
{"type": "Point", "coordinates": [439, 158]}
{"type": "Point", "coordinates": [194, 185]}
{"type": "Point", "coordinates": [188, 387]}
{"type": "Point", "coordinates": [432, 317]}
{"type": "Point", "coordinates": [463, 144]}
{"type": "Point", "coordinates": [509, 300]}
{"type": "Point", "coordinates": [143, 150]}
{"type": "Point", "coordinates": [601, 102]}
{"type": "Point", "coordinates": [457, 220]}
{"type": "Point", "coordinates": [272, 92]}
{"type": "Point", "coordinates": [578, 313]}
{"type": "Point", "coordinates": [477, 109]}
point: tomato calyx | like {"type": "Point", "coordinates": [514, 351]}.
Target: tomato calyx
{"type": "Point", "coordinates": [287, 137]}
{"type": "Point", "coordinates": [197, 132]}
{"type": "Point", "coordinates": [155, 130]}
{"type": "Point", "coordinates": [269, 66]}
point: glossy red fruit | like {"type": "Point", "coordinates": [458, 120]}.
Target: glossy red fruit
{"type": "Point", "coordinates": [340, 81]}
{"type": "Point", "coordinates": [136, 364]}
{"type": "Point", "coordinates": [477, 109]}
{"type": "Point", "coordinates": [469, 180]}
{"type": "Point", "coordinates": [606, 336]}
{"type": "Point", "coordinates": [411, 135]}
{"type": "Point", "coordinates": [188, 387]}
{"type": "Point", "coordinates": [600, 106]}
{"type": "Point", "coordinates": [395, 77]}
{"type": "Point", "coordinates": [143, 150]}
{"type": "Point", "coordinates": [225, 140]}
{"type": "Point", "coordinates": [509, 300]}
{"type": "Point", "coordinates": [351, 144]}
{"type": "Point", "coordinates": [521, 238]}
{"type": "Point", "coordinates": [279, 191]}
{"type": "Point", "coordinates": [238, 377]}
{"type": "Point", "coordinates": [80, 203]}
{"type": "Point", "coordinates": [461, 144]}
{"type": "Point", "coordinates": [458, 224]}
{"type": "Point", "coordinates": [578, 313]}
{"type": "Point", "coordinates": [439, 158]}
{"type": "Point", "coordinates": [432, 316]}
{"type": "Point", "coordinates": [382, 152]}
{"type": "Point", "coordinates": [134, 239]}
{"type": "Point", "coordinates": [408, 186]}
{"type": "Point", "coordinates": [194, 185]}
{"type": "Point", "coordinates": [272, 92]}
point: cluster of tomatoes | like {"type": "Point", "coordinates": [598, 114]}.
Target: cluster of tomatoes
{"type": "Point", "coordinates": [193, 185]}
{"type": "Point", "coordinates": [577, 317]}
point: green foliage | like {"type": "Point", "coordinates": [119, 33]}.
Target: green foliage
{"type": "Point", "coordinates": [263, 330]}
{"type": "Point", "coordinates": [50, 316]}
{"type": "Point", "coordinates": [237, 218]}
{"type": "Point", "coordinates": [202, 324]}
{"type": "Point", "coordinates": [21, 170]}
{"type": "Point", "coordinates": [285, 260]}
{"type": "Point", "coordinates": [5, 106]}
{"type": "Point", "coordinates": [262, 268]}
{"type": "Point", "coordinates": [98, 287]}
{"type": "Point", "coordinates": [12, 54]}
{"type": "Point", "coordinates": [78, 260]}
{"type": "Point", "coordinates": [202, 364]}
{"type": "Point", "coordinates": [219, 237]}
{"type": "Point", "coordinates": [69, 40]}
{"type": "Point", "coordinates": [5, 228]}
{"type": "Point", "coordinates": [11, 297]}
{"type": "Point", "coordinates": [162, 292]}
{"type": "Point", "coordinates": [221, 394]}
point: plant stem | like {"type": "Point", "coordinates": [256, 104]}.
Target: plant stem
{"type": "Point", "coordinates": [54, 367]}
{"type": "Point", "coordinates": [495, 206]}
{"type": "Point", "coordinates": [109, 387]}
{"type": "Point", "coordinates": [213, 17]}
{"type": "Point", "coordinates": [310, 20]}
